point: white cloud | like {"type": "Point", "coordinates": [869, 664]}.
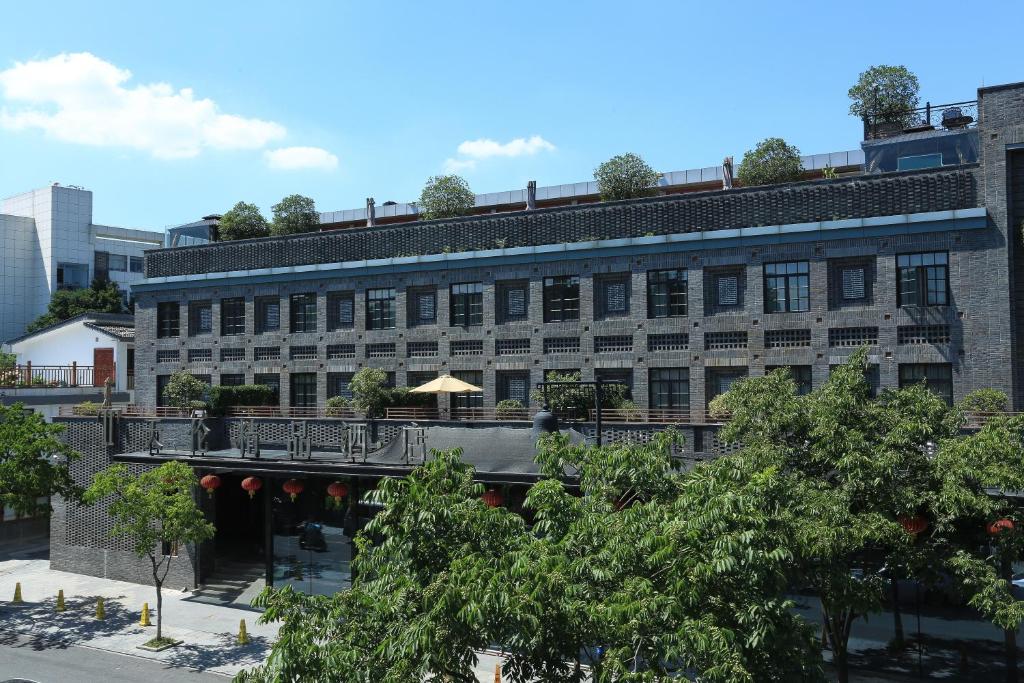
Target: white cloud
{"type": "Point", "coordinates": [485, 148]}
{"type": "Point", "coordinates": [456, 165]}
{"type": "Point", "coordinates": [300, 158]}
{"type": "Point", "coordinates": [83, 99]}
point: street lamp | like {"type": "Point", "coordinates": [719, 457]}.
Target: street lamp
{"type": "Point", "coordinates": [546, 421]}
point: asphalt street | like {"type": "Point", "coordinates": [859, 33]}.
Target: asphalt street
{"type": "Point", "coordinates": [29, 659]}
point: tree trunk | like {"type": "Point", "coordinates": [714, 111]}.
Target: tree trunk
{"type": "Point", "coordinates": [159, 610]}
{"type": "Point", "coordinates": [838, 631]}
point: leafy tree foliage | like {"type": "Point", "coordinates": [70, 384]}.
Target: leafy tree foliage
{"type": "Point", "coordinates": [242, 221]}
{"type": "Point", "coordinates": [150, 509]}
{"type": "Point", "coordinates": [293, 215]}
{"type": "Point", "coordinates": [885, 93]}
{"type": "Point", "coordinates": [33, 462]}
{"type": "Point", "coordinates": [224, 397]}
{"type": "Point", "coordinates": [626, 176]}
{"type": "Point", "coordinates": [772, 161]}
{"type": "Point", "coordinates": [576, 402]}
{"type": "Point", "coordinates": [370, 392]}
{"type": "Point", "coordinates": [185, 390]}
{"type": "Point", "coordinates": [99, 297]}
{"type": "Point", "coordinates": [446, 196]}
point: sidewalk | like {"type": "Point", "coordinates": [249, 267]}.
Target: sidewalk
{"type": "Point", "coordinates": [208, 631]}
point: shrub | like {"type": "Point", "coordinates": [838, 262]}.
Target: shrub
{"type": "Point", "coordinates": [184, 390]}
{"type": "Point", "coordinates": [508, 409]}
{"type": "Point", "coordinates": [771, 161]}
{"type": "Point", "coordinates": [86, 408]}
{"type": "Point", "coordinates": [626, 176]}
{"type": "Point", "coordinates": [222, 398]}
{"type": "Point", "coordinates": [337, 405]}
{"type": "Point", "coordinates": [575, 402]}
{"type": "Point", "coordinates": [629, 410]}
{"type": "Point", "coordinates": [402, 397]}
{"type": "Point", "coordinates": [885, 93]}
{"type": "Point", "coordinates": [446, 196]}
{"type": "Point", "coordinates": [370, 393]}
{"type": "Point", "coordinates": [294, 214]}
{"type": "Point", "coordinates": [984, 401]}
{"type": "Point", "coordinates": [242, 221]}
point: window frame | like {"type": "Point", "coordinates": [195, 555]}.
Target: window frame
{"type": "Point", "coordinates": [466, 304]}
{"type": "Point", "coordinates": [557, 294]}
{"type": "Point", "coordinates": [261, 304]}
{"type": "Point", "coordinates": [922, 279]}
{"type": "Point", "coordinates": [656, 387]}
{"type": "Point", "coordinates": [381, 308]}
{"type": "Point", "coordinates": [232, 316]}
{"type": "Point", "coordinates": [299, 319]}
{"type": "Point", "coordinates": [168, 328]}
{"type": "Point", "coordinates": [293, 393]}
{"type": "Point", "coordinates": [787, 281]}
{"type": "Point", "coordinates": [334, 317]}
{"type": "Point", "coordinates": [675, 294]}
{"type": "Point", "coordinates": [602, 282]}
{"type": "Point", "coordinates": [930, 382]}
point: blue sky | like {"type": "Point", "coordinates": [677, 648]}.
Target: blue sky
{"type": "Point", "coordinates": [341, 101]}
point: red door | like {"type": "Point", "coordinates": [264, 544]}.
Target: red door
{"type": "Point", "coordinates": [102, 366]}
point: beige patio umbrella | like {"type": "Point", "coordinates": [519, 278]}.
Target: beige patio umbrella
{"type": "Point", "coordinates": [446, 384]}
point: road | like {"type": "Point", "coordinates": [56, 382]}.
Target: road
{"type": "Point", "coordinates": [26, 658]}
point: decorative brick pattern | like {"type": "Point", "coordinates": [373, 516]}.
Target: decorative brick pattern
{"type": "Point", "coordinates": [384, 350]}
{"type": "Point", "coordinates": [714, 341]}
{"type": "Point", "coordinates": [786, 339]}
{"type": "Point", "coordinates": [468, 347]}
{"type": "Point", "coordinates": [340, 351]}
{"type": "Point", "coordinates": [421, 349]}
{"type": "Point", "coordinates": [512, 347]}
{"type": "Point", "coordinates": [922, 334]}
{"type": "Point", "coordinates": [562, 345]}
{"type": "Point", "coordinates": [853, 336]}
{"type": "Point", "coordinates": [668, 342]}
{"type": "Point", "coordinates": [620, 343]}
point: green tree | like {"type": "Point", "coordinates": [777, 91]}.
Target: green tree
{"type": "Point", "coordinates": [772, 161]}
{"type": "Point", "coordinates": [33, 462]}
{"type": "Point", "coordinates": [99, 297]}
{"type": "Point", "coordinates": [185, 391]}
{"type": "Point", "coordinates": [446, 196]}
{"type": "Point", "coordinates": [885, 93]}
{"type": "Point", "coordinates": [294, 214]}
{"type": "Point", "coordinates": [242, 221]}
{"type": "Point", "coordinates": [626, 176]}
{"type": "Point", "coordinates": [154, 508]}
{"type": "Point", "coordinates": [370, 391]}
{"type": "Point", "coordinates": [576, 402]}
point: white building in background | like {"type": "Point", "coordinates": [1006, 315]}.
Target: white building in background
{"type": "Point", "coordinates": [49, 242]}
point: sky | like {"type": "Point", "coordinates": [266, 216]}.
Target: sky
{"type": "Point", "coordinates": [171, 111]}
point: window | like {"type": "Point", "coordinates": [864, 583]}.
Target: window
{"type": "Point", "coordinates": [161, 384]}
{"type": "Point", "coordinates": [272, 380]}
{"type": "Point", "coordinates": [341, 310]}
{"type": "Point", "coordinates": [167, 356]}
{"type": "Point", "coordinates": [937, 376]}
{"type": "Point", "coordinates": [167, 319]}
{"type": "Point", "coordinates": [232, 379]}
{"type": "Point", "coordinates": [72, 276]}
{"type": "Point", "coordinates": [337, 384]}
{"type": "Point", "coordinates": [716, 341]}
{"type": "Point", "coordinates": [619, 343]}
{"type": "Point", "coordinates": [801, 374]}
{"type": "Point", "coordinates": [787, 287]}
{"type": "Point", "coordinates": [336, 351]}
{"type": "Point", "coordinates": [466, 302]}
{"type": "Point", "coordinates": [668, 342]}
{"type": "Point", "coordinates": [136, 264]}
{"type": "Point", "coordinates": [511, 347]}
{"type": "Point", "coordinates": [724, 289]}
{"type": "Point", "coordinates": [382, 350]}
{"type": "Point", "coordinates": [237, 354]}
{"type": "Point", "coordinates": [468, 401]}
{"type": "Point", "coordinates": [851, 281]}
{"type": "Point", "coordinates": [468, 347]}
{"type": "Point", "coordinates": [611, 298]}
{"type": "Point", "coordinates": [922, 334]}
{"type": "Point", "coordinates": [669, 389]}
{"type": "Point", "coordinates": [100, 268]}
{"type": "Point", "coordinates": [169, 548]}
{"type": "Point", "coordinates": [117, 263]}
{"type": "Point", "coordinates": [512, 301]}
{"type": "Point", "coordinates": [302, 352]}
{"type": "Point", "coordinates": [561, 298]}
{"type": "Point", "coordinates": [200, 355]}
{"type": "Point", "coordinates": [268, 314]}
{"type": "Point", "coordinates": [303, 313]}
{"type": "Point", "coordinates": [853, 336]}
{"type": "Point", "coordinates": [380, 309]}
{"type": "Point", "coordinates": [422, 307]}
{"type": "Point", "coordinates": [561, 345]}
{"type": "Point", "coordinates": [265, 353]}
{"type": "Point", "coordinates": [424, 349]}
{"type": "Point", "coordinates": [232, 316]}
{"type": "Point", "coordinates": [923, 279]}
{"type": "Point", "coordinates": [666, 293]}
{"type": "Point", "coordinates": [513, 386]}
{"type": "Point", "coordinates": [786, 339]}
{"type": "Point", "coordinates": [717, 381]}
{"type": "Point", "coordinates": [303, 390]}
{"type": "Point", "coordinates": [619, 375]}
{"type": "Point", "coordinates": [872, 374]}
{"type": "Point", "coordinates": [200, 318]}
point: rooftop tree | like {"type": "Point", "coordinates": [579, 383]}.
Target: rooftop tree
{"type": "Point", "coordinates": [885, 93]}
{"type": "Point", "coordinates": [446, 196]}
{"type": "Point", "coordinates": [626, 176]}
{"type": "Point", "coordinates": [242, 221]}
{"type": "Point", "coordinates": [772, 161]}
{"type": "Point", "coordinates": [157, 514]}
{"type": "Point", "coordinates": [33, 462]}
{"type": "Point", "coordinates": [100, 297]}
{"type": "Point", "coordinates": [293, 215]}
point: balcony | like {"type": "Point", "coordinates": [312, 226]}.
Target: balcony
{"type": "Point", "coordinates": [30, 376]}
{"type": "Point", "coordinates": [953, 116]}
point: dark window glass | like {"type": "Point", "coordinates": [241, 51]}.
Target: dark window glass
{"type": "Point", "coordinates": [337, 384]}
{"type": "Point", "coordinates": [117, 263]}
{"type": "Point", "coordinates": [923, 279]}
{"type": "Point", "coordinates": [161, 384]}
{"type": "Point", "coordinates": [137, 264]}
{"type": "Point", "coordinates": [232, 380]}
{"type": "Point", "coordinates": [232, 316]}
{"type": "Point", "coordinates": [303, 390]}
{"type": "Point", "coordinates": [341, 310]}
{"type": "Point", "coordinates": [787, 287]}
{"type": "Point", "coordinates": [466, 302]}
{"type": "Point", "coordinates": [612, 297]}
{"type": "Point", "coordinates": [801, 374]}
{"type": "Point", "coordinates": [466, 401]}
{"type": "Point", "coordinates": [272, 380]}
{"type": "Point", "coordinates": [669, 388]}
{"type": "Point", "coordinates": [380, 309]}
{"type": "Point", "coordinates": [666, 293]}
{"type": "Point", "coordinates": [514, 386]}
{"type": "Point", "coordinates": [937, 376]}
{"type": "Point", "coordinates": [200, 318]}
{"type": "Point", "coordinates": [303, 312]}
{"type": "Point", "coordinates": [561, 298]}
{"type": "Point", "coordinates": [268, 314]}
{"type": "Point", "coordinates": [717, 381]}
{"type": "Point", "coordinates": [168, 318]}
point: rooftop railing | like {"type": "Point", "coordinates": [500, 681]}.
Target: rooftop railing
{"type": "Point", "coordinates": [29, 376]}
{"type": "Point", "coordinates": [953, 116]}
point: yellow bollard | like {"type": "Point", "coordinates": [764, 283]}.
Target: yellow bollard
{"type": "Point", "coordinates": [497, 673]}
{"type": "Point", "coordinates": [100, 612]}
{"type": "Point", "coordinates": [144, 621]}
{"type": "Point", "coordinates": [17, 594]}
{"type": "Point", "coordinates": [60, 601]}
{"type": "Point", "coordinates": [243, 637]}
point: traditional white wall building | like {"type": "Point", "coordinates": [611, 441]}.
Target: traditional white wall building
{"type": "Point", "coordinates": [49, 242]}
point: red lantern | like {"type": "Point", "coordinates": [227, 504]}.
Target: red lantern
{"type": "Point", "coordinates": [337, 490]}
{"type": "Point", "coordinates": [999, 526]}
{"type": "Point", "coordinates": [252, 485]}
{"type": "Point", "coordinates": [492, 498]}
{"type": "Point", "coordinates": [211, 482]}
{"type": "Point", "coordinates": [913, 525]}
{"type": "Point", "coordinates": [293, 487]}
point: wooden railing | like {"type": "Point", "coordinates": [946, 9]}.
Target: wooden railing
{"type": "Point", "coordinates": [656, 415]}
{"type": "Point", "coordinates": [46, 376]}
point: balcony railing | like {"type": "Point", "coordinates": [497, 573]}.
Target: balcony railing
{"type": "Point", "coordinates": [954, 116]}
{"type": "Point", "coordinates": [46, 376]}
